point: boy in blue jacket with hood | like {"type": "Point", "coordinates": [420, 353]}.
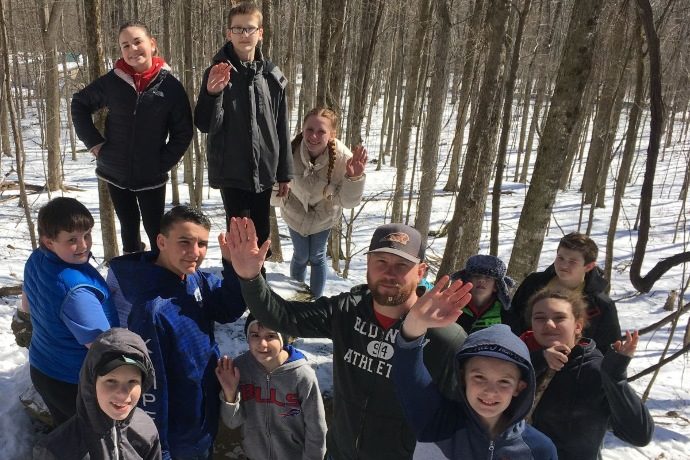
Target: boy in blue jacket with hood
{"type": "Point", "coordinates": [174, 307]}
{"type": "Point", "coordinates": [497, 382]}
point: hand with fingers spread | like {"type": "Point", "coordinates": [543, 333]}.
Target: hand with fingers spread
{"type": "Point", "coordinates": [556, 356]}
{"type": "Point", "coordinates": [629, 345]}
{"type": "Point", "coordinates": [218, 78]}
{"type": "Point", "coordinates": [356, 164]}
{"type": "Point", "coordinates": [438, 307]}
{"type": "Point", "coordinates": [240, 245]}
{"type": "Point", "coordinates": [229, 377]}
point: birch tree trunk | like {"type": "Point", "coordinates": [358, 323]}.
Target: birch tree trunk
{"type": "Point", "coordinates": [573, 73]}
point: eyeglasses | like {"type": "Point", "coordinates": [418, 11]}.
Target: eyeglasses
{"type": "Point", "coordinates": [243, 30]}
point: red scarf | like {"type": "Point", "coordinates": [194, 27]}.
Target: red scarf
{"type": "Point", "coordinates": [141, 80]}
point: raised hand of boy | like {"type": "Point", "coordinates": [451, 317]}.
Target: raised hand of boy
{"type": "Point", "coordinates": [229, 377]}
{"type": "Point", "coordinates": [438, 307]}
{"type": "Point", "coordinates": [556, 356]}
{"type": "Point", "coordinates": [629, 345]}
{"type": "Point", "coordinates": [218, 78]}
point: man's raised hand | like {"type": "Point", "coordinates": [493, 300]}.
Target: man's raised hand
{"type": "Point", "coordinates": [239, 246]}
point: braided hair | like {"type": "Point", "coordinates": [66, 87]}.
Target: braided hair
{"type": "Point", "coordinates": [330, 115]}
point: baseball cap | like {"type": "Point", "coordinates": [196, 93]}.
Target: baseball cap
{"type": "Point", "coordinates": [399, 239]}
{"type": "Point", "coordinates": [121, 360]}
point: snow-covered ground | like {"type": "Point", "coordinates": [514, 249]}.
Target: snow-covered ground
{"type": "Point", "coordinates": [669, 398]}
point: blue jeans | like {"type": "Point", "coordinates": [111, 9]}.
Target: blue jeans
{"type": "Point", "coordinates": [312, 249]}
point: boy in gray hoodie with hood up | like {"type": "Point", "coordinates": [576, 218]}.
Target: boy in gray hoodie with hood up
{"type": "Point", "coordinates": [273, 394]}
{"type": "Point", "coordinates": [497, 390]}
{"type": "Point", "coordinates": [108, 425]}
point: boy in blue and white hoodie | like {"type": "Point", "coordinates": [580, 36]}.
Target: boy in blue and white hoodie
{"type": "Point", "coordinates": [272, 392]}
{"type": "Point", "coordinates": [496, 379]}
{"type": "Point", "coordinates": [174, 306]}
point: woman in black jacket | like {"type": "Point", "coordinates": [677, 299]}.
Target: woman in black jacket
{"type": "Point", "coordinates": [589, 393]}
{"type": "Point", "coordinates": [147, 130]}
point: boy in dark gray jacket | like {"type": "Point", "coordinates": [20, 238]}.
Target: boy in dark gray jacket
{"type": "Point", "coordinates": [273, 394]}
{"type": "Point", "coordinates": [108, 425]}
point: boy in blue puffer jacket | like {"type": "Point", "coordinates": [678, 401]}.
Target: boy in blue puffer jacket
{"type": "Point", "coordinates": [69, 302]}
{"type": "Point", "coordinates": [497, 381]}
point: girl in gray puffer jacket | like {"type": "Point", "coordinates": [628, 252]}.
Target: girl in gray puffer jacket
{"type": "Point", "coordinates": [108, 425]}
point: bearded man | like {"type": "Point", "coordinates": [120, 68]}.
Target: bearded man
{"type": "Point", "coordinates": [368, 421]}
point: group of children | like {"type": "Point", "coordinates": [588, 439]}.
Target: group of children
{"type": "Point", "coordinates": [274, 395]}
{"type": "Point", "coordinates": [560, 325]}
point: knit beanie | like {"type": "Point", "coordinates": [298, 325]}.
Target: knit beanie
{"type": "Point", "coordinates": [493, 267]}
{"type": "Point", "coordinates": [250, 320]}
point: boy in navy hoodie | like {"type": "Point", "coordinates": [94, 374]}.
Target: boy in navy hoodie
{"type": "Point", "coordinates": [497, 382]}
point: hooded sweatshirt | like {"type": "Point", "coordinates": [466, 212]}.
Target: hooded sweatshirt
{"type": "Point", "coordinates": [447, 429]}
{"type": "Point", "coordinates": [176, 317]}
{"type": "Point", "coordinates": [281, 412]}
{"type": "Point", "coordinates": [368, 422]}
{"type": "Point", "coordinates": [91, 434]}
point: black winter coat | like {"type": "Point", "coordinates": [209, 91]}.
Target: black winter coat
{"type": "Point", "coordinates": [146, 133]}
{"type": "Point", "coordinates": [603, 326]}
{"type": "Point", "coordinates": [247, 125]}
{"type": "Point", "coordinates": [368, 421]}
{"type": "Point", "coordinates": [587, 396]}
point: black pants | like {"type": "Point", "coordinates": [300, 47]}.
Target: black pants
{"type": "Point", "coordinates": [257, 206]}
{"type": "Point", "coordinates": [59, 396]}
{"type": "Point", "coordinates": [131, 207]}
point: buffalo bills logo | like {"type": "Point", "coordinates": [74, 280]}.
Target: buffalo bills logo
{"type": "Point", "coordinates": [398, 237]}
{"type": "Point", "coordinates": [291, 413]}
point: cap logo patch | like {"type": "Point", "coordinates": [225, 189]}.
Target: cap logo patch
{"type": "Point", "coordinates": [398, 237]}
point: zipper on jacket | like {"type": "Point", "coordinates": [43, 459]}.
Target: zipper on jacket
{"type": "Point", "coordinates": [116, 442]}
{"type": "Point", "coordinates": [268, 418]}
{"type": "Point", "coordinates": [491, 450]}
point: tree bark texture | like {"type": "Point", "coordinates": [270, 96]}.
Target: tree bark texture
{"type": "Point", "coordinates": [464, 230]}
{"type": "Point", "coordinates": [645, 283]}
{"type": "Point", "coordinates": [573, 73]}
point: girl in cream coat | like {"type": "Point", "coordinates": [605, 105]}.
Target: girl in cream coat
{"type": "Point", "coordinates": [327, 178]}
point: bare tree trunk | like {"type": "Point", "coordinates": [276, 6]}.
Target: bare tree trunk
{"type": "Point", "coordinates": [505, 127]}
{"type": "Point", "coordinates": [464, 230]}
{"type": "Point", "coordinates": [645, 283]}
{"type": "Point", "coordinates": [468, 67]}
{"type": "Point", "coordinates": [96, 57]}
{"type": "Point", "coordinates": [371, 20]}
{"type": "Point", "coordinates": [628, 154]}
{"type": "Point", "coordinates": [50, 21]}
{"type": "Point", "coordinates": [19, 150]}
{"type": "Point", "coordinates": [67, 94]}
{"type": "Point", "coordinates": [602, 130]}
{"type": "Point", "coordinates": [573, 73]}
{"type": "Point", "coordinates": [332, 29]}
{"type": "Point", "coordinates": [432, 130]}
{"type": "Point", "coordinates": [267, 41]}
{"type": "Point", "coordinates": [309, 63]}
{"type": "Point", "coordinates": [412, 76]}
